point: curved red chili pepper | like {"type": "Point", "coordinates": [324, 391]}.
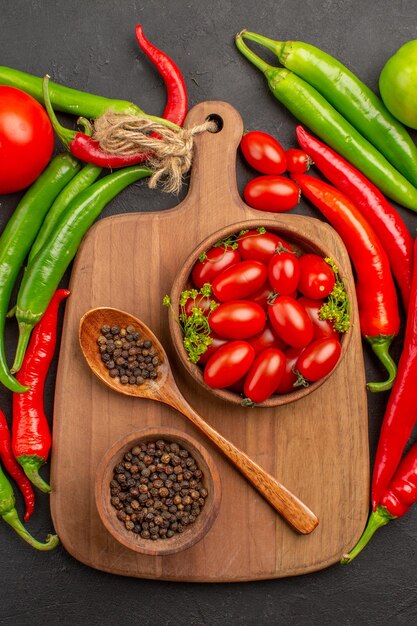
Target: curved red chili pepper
{"type": "Point", "coordinates": [13, 467]}
{"type": "Point", "coordinates": [375, 289]}
{"type": "Point", "coordinates": [31, 437]}
{"type": "Point", "coordinates": [384, 219]}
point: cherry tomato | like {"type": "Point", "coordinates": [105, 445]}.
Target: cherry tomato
{"type": "Point", "coordinates": [262, 296]}
{"type": "Point", "coordinates": [286, 384]}
{"type": "Point", "coordinates": [284, 272]}
{"type": "Point", "coordinates": [264, 375]}
{"type": "Point", "coordinates": [238, 319]}
{"type": "Point", "coordinates": [298, 162]}
{"type": "Point", "coordinates": [267, 338]}
{"type": "Point", "coordinates": [318, 359]}
{"type": "Point", "coordinates": [322, 328]}
{"type": "Point", "coordinates": [237, 387]}
{"type": "Point", "coordinates": [317, 278]}
{"type": "Point", "coordinates": [290, 321]}
{"type": "Point", "coordinates": [200, 302]}
{"type": "Point", "coordinates": [275, 194]}
{"type": "Point", "coordinates": [260, 246]}
{"type": "Point", "coordinates": [26, 139]}
{"type": "Point", "coordinates": [239, 281]}
{"type": "Point", "coordinates": [228, 364]}
{"type": "Point", "coordinates": [263, 152]}
{"type": "Point", "coordinates": [212, 348]}
{"type": "Point", "coordinates": [217, 259]}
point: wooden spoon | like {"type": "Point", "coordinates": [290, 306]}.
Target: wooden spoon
{"type": "Point", "coordinates": [164, 389]}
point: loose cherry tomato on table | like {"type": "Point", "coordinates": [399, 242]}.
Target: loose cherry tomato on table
{"type": "Point", "coordinates": [290, 321]}
{"type": "Point", "coordinates": [298, 161]}
{"type": "Point", "coordinates": [322, 328]}
{"type": "Point", "coordinates": [284, 272]}
{"type": "Point", "coordinates": [318, 359]}
{"type": "Point", "coordinates": [237, 319]}
{"type": "Point", "coordinates": [275, 194]}
{"type": "Point", "coordinates": [260, 246]}
{"type": "Point", "coordinates": [289, 377]}
{"type": "Point", "coordinates": [317, 278]}
{"type": "Point", "coordinates": [239, 281]}
{"type": "Point", "coordinates": [216, 260]}
{"type": "Point", "coordinates": [228, 364]}
{"type": "Point", "coordinates": [264, 375]}
{"type": "Point", "coordinates": [263, 152]}
{"type": "Point", "coordinates": [26, 139]}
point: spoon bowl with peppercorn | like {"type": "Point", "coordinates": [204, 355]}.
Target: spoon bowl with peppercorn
{"type": "Point", "coordinates": [163, 388]}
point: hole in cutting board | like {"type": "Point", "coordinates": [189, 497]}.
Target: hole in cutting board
{"type": "Point", "coordinates": [213, 117]}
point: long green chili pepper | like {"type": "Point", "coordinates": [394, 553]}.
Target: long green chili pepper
{"type": "Point", "coordinates": [70, 100]}
{"type": "Point", "coordinates": [9, 514]}
{"type": "Point", "coordinates": [313, 110]}
{"type": "Point", "coordinates": [19, 235]}
{"type": "Point", "coordinates": [44, 273]}
{"type": "Point", "coordinates": [86, 177]}
{"type": "Point", "coordinates": [350, 96]}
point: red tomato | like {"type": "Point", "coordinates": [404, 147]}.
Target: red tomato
{"type": "Point", "coordinates": [260, 246]}
{"type": "Point", "coordinates": [318, 359]}
{"type": "Point", "coordinates": [26, 139]}
{"type": "Point", "coordinates": [239, 281]}
{"type": "Point", "coordinates": [284, 272]}
{"type": "Point", "coordinates": [237, 387]}
{"type": "Point", "coordinates": [317, 278]}
{"type": "Point", "coordinates": [290, 321]}
{"type": "Point", "coordinates": [286, 384]}
{"type": "Point", "coordinates": [298, 162]}
{"type": "Point", "coordinates": [228, 364]}
{"type": "Point", "coordinates": [263, 152]}
{"type": "Point", "coordinates": [322, 328]}
{"type": "Point", "coordinates": [264, 375]}
{"type": "Point", "coordinates": [200, 302]}
{"type": "Point", "coordinates": [267, 338]}
{"type": "Point", "coordinates": [275, 194]}
{"type": "Point", "coordinates": [262, 296]}
{"type": "Point", "coordinates": [212, 348]}
{"type": "Point", "coordinates": [238, 319]}
{"type": "Point", "coordinates": [217, 259]}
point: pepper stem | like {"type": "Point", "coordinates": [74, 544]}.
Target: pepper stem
{"type": "Point", "coordinates": [377, 518]}
{"type": "Point", "coordinates": [380, 345]}
{"type": "Point", "coordinates": [31, 465]}
{"type": "Point", "coordinates": [12, 518]}
{"type": "Point", "coordinates": [25, 330]}
{"type": "Point", "coordinates": [251, 56]}
{"type": "Point", "coordinates": [65, 134]}
{"type": "Point", "coordinates": [277, 47]}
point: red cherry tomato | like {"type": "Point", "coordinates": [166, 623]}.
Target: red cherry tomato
{"type": "Point", "coordinates": [263, 152]}
{"type": "Point", "coordinates": [217, 343]}
{"type": "Point", "coordinates": [260, 246]}
{"type": "Point", "coordinates": [322, 328]}
{"type": "Point", "coordinates": [318, 359]}
{"type": "Point", "coordinates": [298, 162]}
{"type": "Point", "coordinates": [290, 321]}
{"type": "Point", "coordinates": [26, 139]}
{"type": "Point", "coordinates": [217, 259]}
{"type": "Point", "coordinates": [237, 319]}
{"type": "Point", "coordinates": [286, 384]}
{"type": "Point", "coordinates": [262, 296]}
{"type": "Point", "coordinates": [284, 272]}
{"type": "Point", "coordinates": [267, 338]}
{"type": "Point", "coordinates": [228, 364]}
{"type": "Point", "coordinates": [317, 278]}
{"type": "Point", "coordinates": [239, 281]}
{"type": "Point", "coordinates": [264, 375]}
{"type": "Point", "coordinates": [237, 387]}
{"type": "Point", "coordinates": [200, 302]}
{"type": "Point", "coordinates": [275, 194]}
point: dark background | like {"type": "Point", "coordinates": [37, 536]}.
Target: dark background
{"type": "Point", "coordinates": [90, 45]}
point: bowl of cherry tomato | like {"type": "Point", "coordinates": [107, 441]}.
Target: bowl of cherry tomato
{"type": "Point", "coordinates": [259, 314]}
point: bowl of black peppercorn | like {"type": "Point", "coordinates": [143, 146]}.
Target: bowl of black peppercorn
{"type": "Point", "coordinates": [157, 491]}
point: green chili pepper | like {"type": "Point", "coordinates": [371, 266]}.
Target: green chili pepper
{"type": "Point", "coordinates": [81, 181]}
{"type": "Point", "coordinates": [9, 514]}
{"type": "Point", "coordinates": [70, 100]}
{"type": "Point", "coordinates": [310, 108]}
{"type": "Point", "coordinates": [44, 273]}
{"type": "Point", "coordinates": [19, 235]}
{"type": "Point", "coordinates": [351, 97]}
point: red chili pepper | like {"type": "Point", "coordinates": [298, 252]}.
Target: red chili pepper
{"type": "Point", "coordinates": [85, 148]}
{"type": "Point", "coordinates": [31, 437]}
{"type": "Point", "coordinates": [397, 499]}
{"type": "Point", "coordinates": [375, 289]}
{"type": "Point", "coordinates": [13, 467]}
{"type": "Point", "coordinates": [401, 411]}
{"type": "Point", "coordinates": [384, 219]}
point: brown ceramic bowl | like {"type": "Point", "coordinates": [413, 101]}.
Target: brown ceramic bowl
{"type": "Point", "coordinates": [195, 531]}
{"type": "Point", "coordinates": [301, 244]}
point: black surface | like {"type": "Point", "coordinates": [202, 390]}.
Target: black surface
{"type": "Point", "coordinates": [91, 45]}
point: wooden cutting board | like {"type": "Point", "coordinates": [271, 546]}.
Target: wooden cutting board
{"type": "Point", "coordinates": [317, 446]}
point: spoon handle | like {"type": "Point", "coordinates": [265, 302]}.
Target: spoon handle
{"type": "Point", "coordinates": [297, 514]}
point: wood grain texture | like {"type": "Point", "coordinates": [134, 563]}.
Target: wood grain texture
{"type": "Point", "coordinates": [316, 446]}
